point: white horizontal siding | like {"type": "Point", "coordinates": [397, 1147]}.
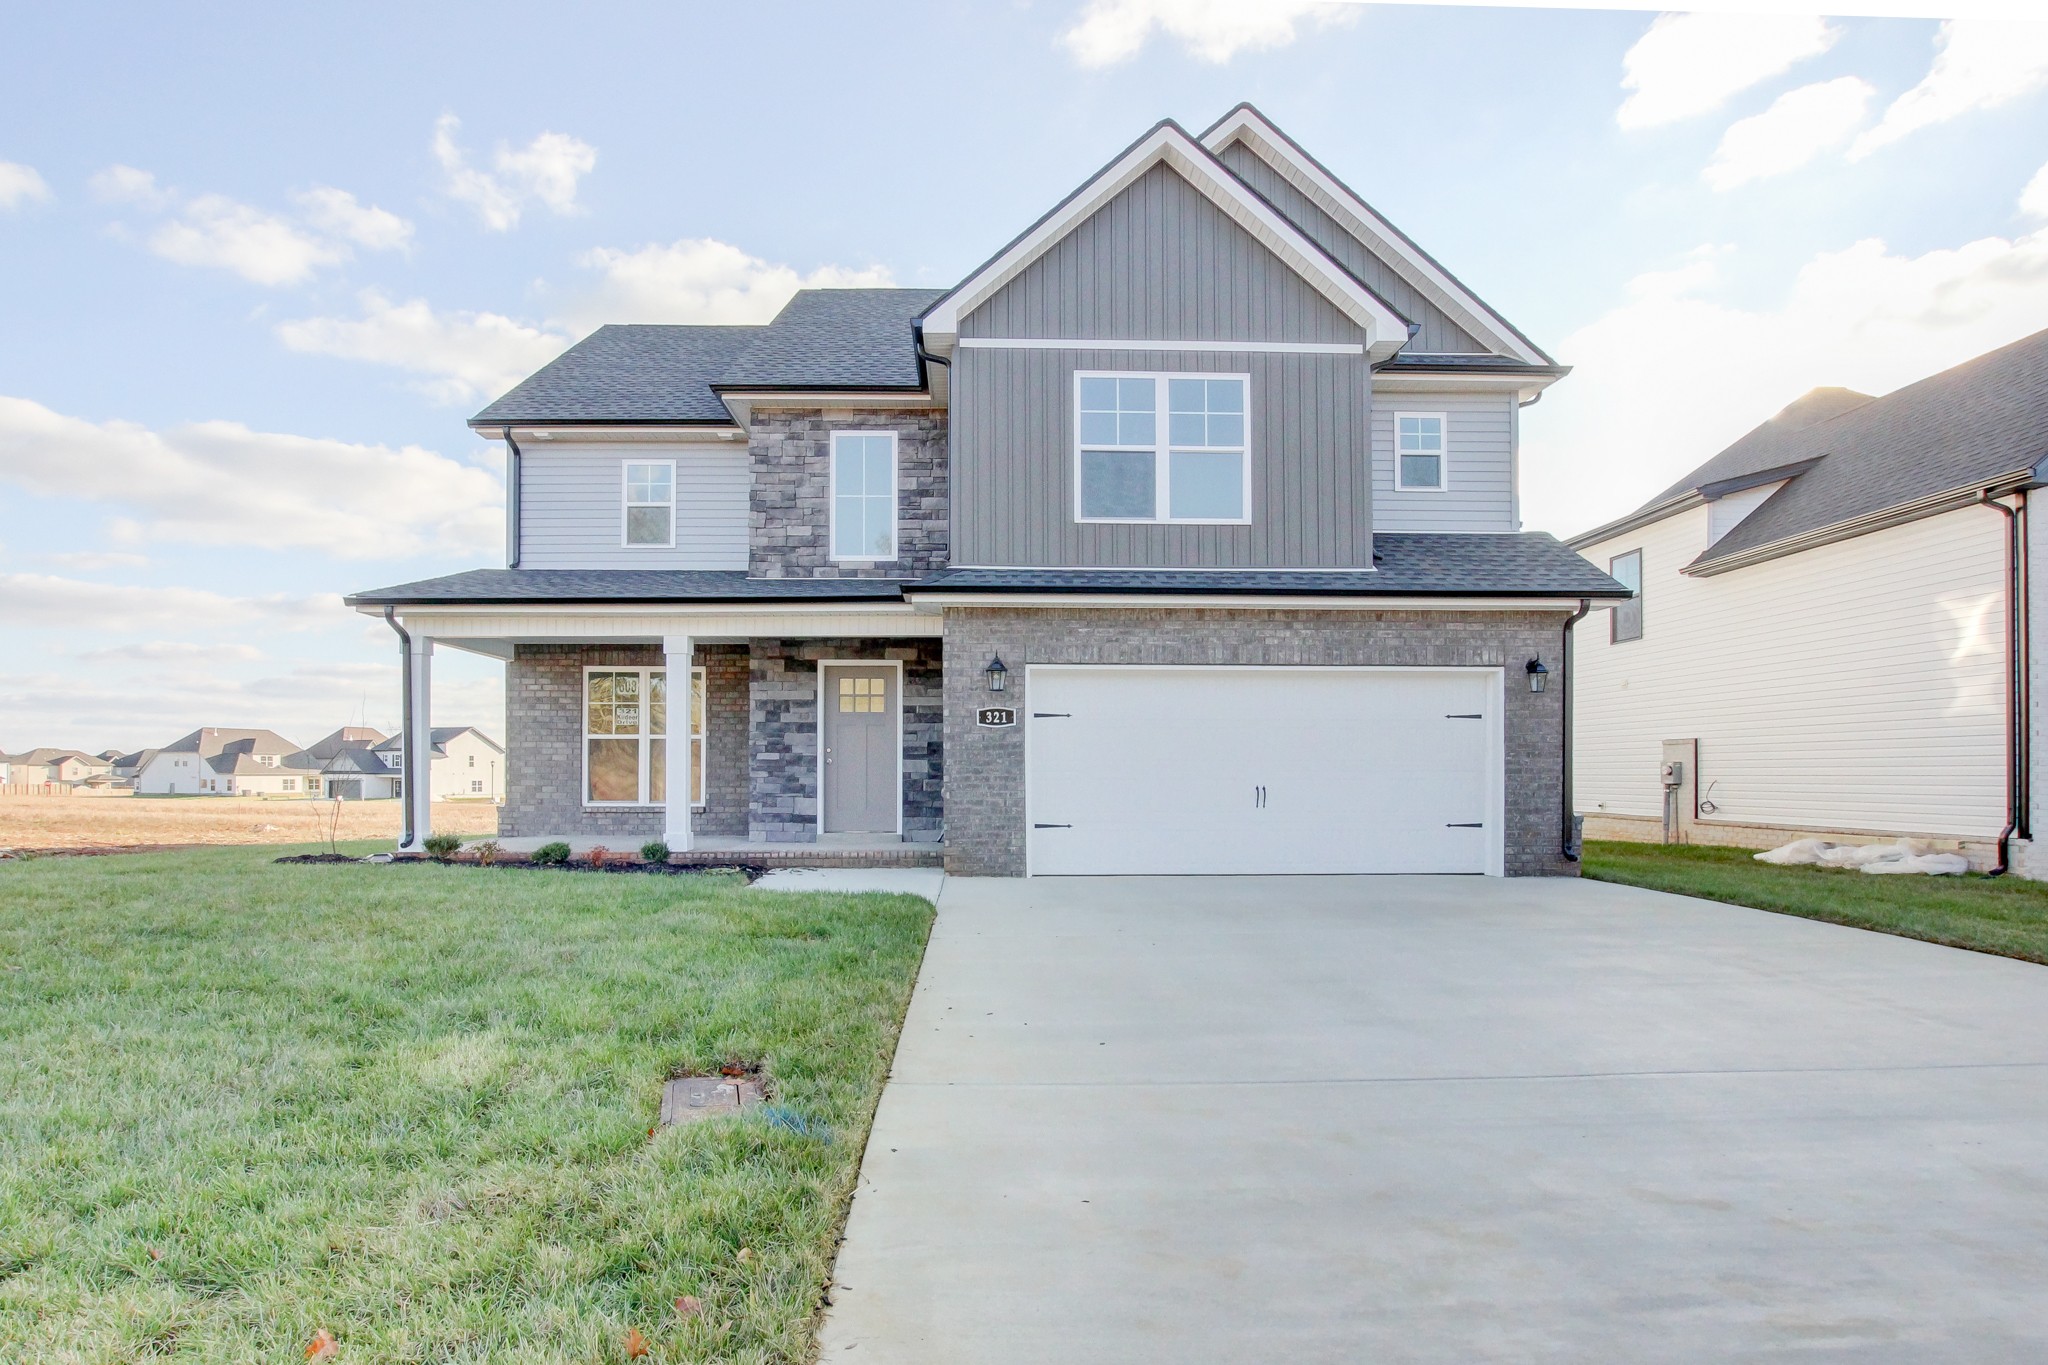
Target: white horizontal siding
{"type": "Point", "coordinates": [571, 500]}
{"type": "Point", "coordinates": [1860, 685]}
{"type": "Point", "coordinates": [1479, 438]}
{"type": "Point", "coordinates": [1725, 514]}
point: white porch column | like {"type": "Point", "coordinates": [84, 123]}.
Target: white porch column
{"type": "Point", "coordinates": [419, 743]}
{"type": "Point", "coordinates": [678, 649]}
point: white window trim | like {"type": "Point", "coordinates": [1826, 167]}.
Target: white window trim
{"type": "Point", "coordinates": [697, 798]}
{"type": "Point", "coordinates": [832, 499]}
{"type": "Point", "coordinates": [1614, 615]}
{"type": "Point", "coordinates": [1443, 455]}
{"type": "Point", "coordinates": [626, 504]}
{"type": "Point", "coordinates": [1162, 448]}
{"type": "Point", "coordinates": [825, 666]}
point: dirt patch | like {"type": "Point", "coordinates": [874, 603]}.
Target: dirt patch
{"type": "Point", "coordinates": [134, 824]}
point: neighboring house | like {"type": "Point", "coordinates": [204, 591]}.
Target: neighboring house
{"type": "Point", "coordinates": [357, 774]}
{"type": "Point", "coordinates": [468, 764]}
{"type": "Point", "coordinates": [207, 763]}
{"type": "Point", "coordinates": [1821, 635]}
{"type": "Point", "coordinates": [126, 766]}
{"type": "Point", "coordinates": [1180, 537]}
{"type": "Point", "coordinates": [41, 767]}
{"type": "Point", "coordinates": [341, 741]}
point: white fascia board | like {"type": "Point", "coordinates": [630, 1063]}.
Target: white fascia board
{"type": "Point", "coordinates": [1523, 385]}
{"type": "Point", "coordinates": [525, 432]}
{"type": "Point", "coordinates": [1340, 202]}
{"type": "Point", "coordinates": [1386, 332]}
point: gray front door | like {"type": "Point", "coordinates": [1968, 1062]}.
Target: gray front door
{"type": "Point", "coordinates": [861, 758]}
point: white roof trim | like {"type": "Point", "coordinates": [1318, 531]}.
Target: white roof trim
{"type": "Point", "coordinates": [1386, 331]}
{"type": "Point", "coordinates": [1248, 126]}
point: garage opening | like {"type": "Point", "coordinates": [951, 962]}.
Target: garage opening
{"type": "Point", "coordinates": [1161, 771]}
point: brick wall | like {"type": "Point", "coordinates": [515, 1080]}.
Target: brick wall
{"type": "Point", "coordinates": [984, 787]}
{"type": "Point", "coordinates": [789, 534]}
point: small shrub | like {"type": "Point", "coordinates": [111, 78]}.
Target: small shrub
{"type": "Point", "coordinates": [487, 852]}
{"type": "Point", "coordinates": [654, 851]}
{"type": "Point", "coordinates": [549, 855]}
{"type": "Point", "coordinates": [598, 855]}
{"type": "Point", "coordinates": [442, 845]}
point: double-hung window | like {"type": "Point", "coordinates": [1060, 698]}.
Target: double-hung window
{"type": "Point", "coordinates": [1162, 447]}
{"type": "Point", "coordinates": [625, 736]}
{"type": "Point", "coordinates": [650, 502]}
{"type": "Point", "coordinates": [1627, 570]}
{"type": "Point", "coordinates": [864, 495]}
{"type": "Point", "coordinates": [1419, 452]}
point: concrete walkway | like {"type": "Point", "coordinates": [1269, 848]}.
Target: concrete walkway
{"type": "Point", "coordinates": [1380, 1119]}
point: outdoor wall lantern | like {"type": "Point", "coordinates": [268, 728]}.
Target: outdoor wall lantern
{"type": "Point", "coordinates": [1537, 674]}
{"type": "Point", "coordinates": [998, 674]}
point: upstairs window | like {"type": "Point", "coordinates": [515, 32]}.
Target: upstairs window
{"type": "Point", "coordinates": [650, 502]}
{"type": "Point", "coordinates": [864, 495]}
{"type": "Point", "coordinates": [1419, 452]}
{"type": "Point", "coordinates": [1162, 447]}
{"type": "Point", "coordinates": [1627, 570]}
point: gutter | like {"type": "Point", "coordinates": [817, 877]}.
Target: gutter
{"type": "Point", "coordinates": [1948, 500]}
{"type": "Point", "coordinates": [2017, 795]}
{"type": "Point", "coordinates": [1571, 842]}
{"type": "Point", "coordinates": [405, 716]}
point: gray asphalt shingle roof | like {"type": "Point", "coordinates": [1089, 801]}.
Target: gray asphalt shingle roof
{"type": "Point", "coordinates": [624, 585]}
{"type": "Point", "coordinates": [836, 338]}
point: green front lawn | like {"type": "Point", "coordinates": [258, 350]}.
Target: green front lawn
{"type": "Point", "coordinates": [243, 1103]}
{"type": "Point", "coordinates": [2004, 915]}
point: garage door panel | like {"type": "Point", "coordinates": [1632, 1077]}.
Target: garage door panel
{"type": "Point", "coordinates": [1141, 770]}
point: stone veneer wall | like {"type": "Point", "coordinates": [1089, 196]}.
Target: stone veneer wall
{"type": "Point", "coordinates": [984, 790]}
{"type": "Point", "coordinates": [783, 764]}
{"type": "Point", "coordinates": [790, 524]}
{"type": "Point", "coordinates": [544, 748]}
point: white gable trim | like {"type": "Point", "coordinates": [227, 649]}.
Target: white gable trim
{"type": "Point", "coordinates": [1386, 331]}
{"type": "Point", "coordinates": [1246, 125]}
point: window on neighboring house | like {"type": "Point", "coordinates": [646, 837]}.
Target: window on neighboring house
{"type": "Point", "coordinates": [472, 760]}
{"type": "Point", "coordinates": [290, 784]}
{"type": "Point", "coordinates": [476, 784]}
{"type": "Point", "coordinates": [650, 513]}
{"type": "Point", "coordinates": [1419, 452]}
{"type": "Point", "coordinates": [1162, 447]}
{"type": "Point", "coordinates": [1628, 615]}
{"type": "Point", "coordinates": [863, 495]}
{"type": "Point", "coordinates": [625, 727]}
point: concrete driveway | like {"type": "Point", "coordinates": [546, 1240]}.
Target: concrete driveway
{"type": "Point", "coordinates": [1392, 1119]}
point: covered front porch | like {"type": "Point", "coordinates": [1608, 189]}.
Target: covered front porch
{"type": "Point", "coordinates": [805, 733]}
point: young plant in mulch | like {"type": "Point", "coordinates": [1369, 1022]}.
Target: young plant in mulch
{"type": "Point", "coordinates": [551, 855]}
{"type": "Point", "coordinates": [443, 846]}
{"type": "Point", "coordinates": [487, 852]}
{"type": "Point", "coordinates": [654, 852]}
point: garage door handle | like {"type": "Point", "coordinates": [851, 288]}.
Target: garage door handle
{"type": "Point", "coordinates": [1470, 824]}
{"type": "Point", "coordinates": [1052, 715]}
{"type": "Point", "coordinates": [1039, 826]}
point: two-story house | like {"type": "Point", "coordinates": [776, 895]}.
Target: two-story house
{"type": "Point", "coordinates": [1180, 537]}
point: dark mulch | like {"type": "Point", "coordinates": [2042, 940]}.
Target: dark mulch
{"type": "Point", "coordinates": [750, 871]}
{"type": "Point", "coordinates": [318, 858]}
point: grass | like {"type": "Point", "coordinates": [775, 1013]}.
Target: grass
{"type": "Point", "coordinates": [240, 1103]}
{"type": "Point", "coordinates": [2003, 915]}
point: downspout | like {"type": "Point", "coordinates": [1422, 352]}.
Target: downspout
{"type": "Point", "coordinates": [511, 501]}
{"type": "Point", "coordinates": [2015, 667]}
{"type": "Point", "coordinates": [1570, 847]}
{"type": "Point", "coordinates": [404, 714]}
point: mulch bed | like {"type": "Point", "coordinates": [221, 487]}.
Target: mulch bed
{"type": "Point", "coordinates": [751, 872]}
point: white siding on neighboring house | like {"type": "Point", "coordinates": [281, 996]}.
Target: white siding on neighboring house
{"type": "Point", "coordinates": [1857, 686]}
{"type": "Point", "coordinates": [1725, 514]}
{"type": "Point", "coordinates": [1480, 447]}
{"type": "Point", "coordinates": [571, 505]}
{"type": "Point", "coordinates": [2037, 678]}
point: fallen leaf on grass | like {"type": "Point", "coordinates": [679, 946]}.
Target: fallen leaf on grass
{"type": "Point", "coordinates": [746, 1254]}
{"type": "Point", "coordinates": [155, 1255]}
{"type": "Point", "coordinates": [689, 1305]}
{"type": "Point", "coordinates": [636, 1344]}
{"type": "Point", "coordinates": [323, 1346]}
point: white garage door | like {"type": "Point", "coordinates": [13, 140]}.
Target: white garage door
{"type": "Point", "coordinates": [1165, 771]}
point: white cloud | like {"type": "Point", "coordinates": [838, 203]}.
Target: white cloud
{"type": "Point", "coordinates": [1799, 126]}
{"type": "Point", "coordinates": [698, 279]}
{"type": "Point", "coordinates": [31, 601]}
{"type": "Point", "coordinates": [1112, 31]}
{"type": "Point", "coordinates": [2034, 198]}
{"type": "Point", "coordinates": [546, 169]}
{"type": "Point", "coordinates": [20, 185]}
{"type": "Point", "coordinates": [89, 560]}
{"type": "Point", "coordinates": [1980, 64]}
{"type": "Point", "coordinates": [1679, 361]}
{"type": "Point", "coordinates": [178, 651]}
{"type": "Point", "coordinates": [220, 483]}
{"type": "Point", "coordinates": [337, 212]}
{"type": "Point", "coordinates": [463, 355]}
{"type": "Point", "coordinates": [127, 185]}
{"type": "Point", "coordinates": [1688, 64]}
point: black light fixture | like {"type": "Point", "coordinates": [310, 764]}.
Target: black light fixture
{"type": "Point", "coordinates": [1537, 674]}
{"type": "Point", "coordinates": [998, 674]}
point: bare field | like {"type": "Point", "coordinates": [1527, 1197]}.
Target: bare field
{"type": "Point", "coordinates": [128, 821]}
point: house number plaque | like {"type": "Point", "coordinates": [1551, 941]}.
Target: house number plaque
{"type": "Point", "coordinates": [995, 717]}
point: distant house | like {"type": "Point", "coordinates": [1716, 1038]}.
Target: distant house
{"type": "Point", "coordinates": [468, 764]}
{"type": "Point", "coordinates": [357, 775]}
{"type": "Point", "coordinates": [208, 762]}
{"type": "Point", "coordinates": [341, 741]}
{"type": "Point", "coordinates": [41, 767]}
{"type": "Point", "coordinates": [126, 766]}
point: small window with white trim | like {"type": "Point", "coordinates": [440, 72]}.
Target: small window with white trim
{"type": "Point", "coordinates": [1627, 570]}
{"type": "Point", "coordinates": [864, 495]}
{"type": "Point", "coordinates": [625, 736]}
{"type": "Point", "coordinates": [650, 503]}
{"type": "Point", "coordinates": [1419, 452]}
{"type": "Point", "coordinates": [1162, 447]}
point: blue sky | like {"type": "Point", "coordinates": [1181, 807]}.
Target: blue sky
{"type": "Point", "coordinates": [259, 265]}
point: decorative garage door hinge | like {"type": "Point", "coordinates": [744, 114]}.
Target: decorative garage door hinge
{"type": "Point", "coordinates": [1039, 826]}
{"type": "Point", "coordinates": [1468, 824]}
{"type": "Point", "coordinates": [1465, 715]}
{"type": "Point", "coordinates": [1052, 715]}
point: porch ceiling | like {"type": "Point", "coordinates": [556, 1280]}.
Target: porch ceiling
{"type": "Point", "coordinates": [496, 630]}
